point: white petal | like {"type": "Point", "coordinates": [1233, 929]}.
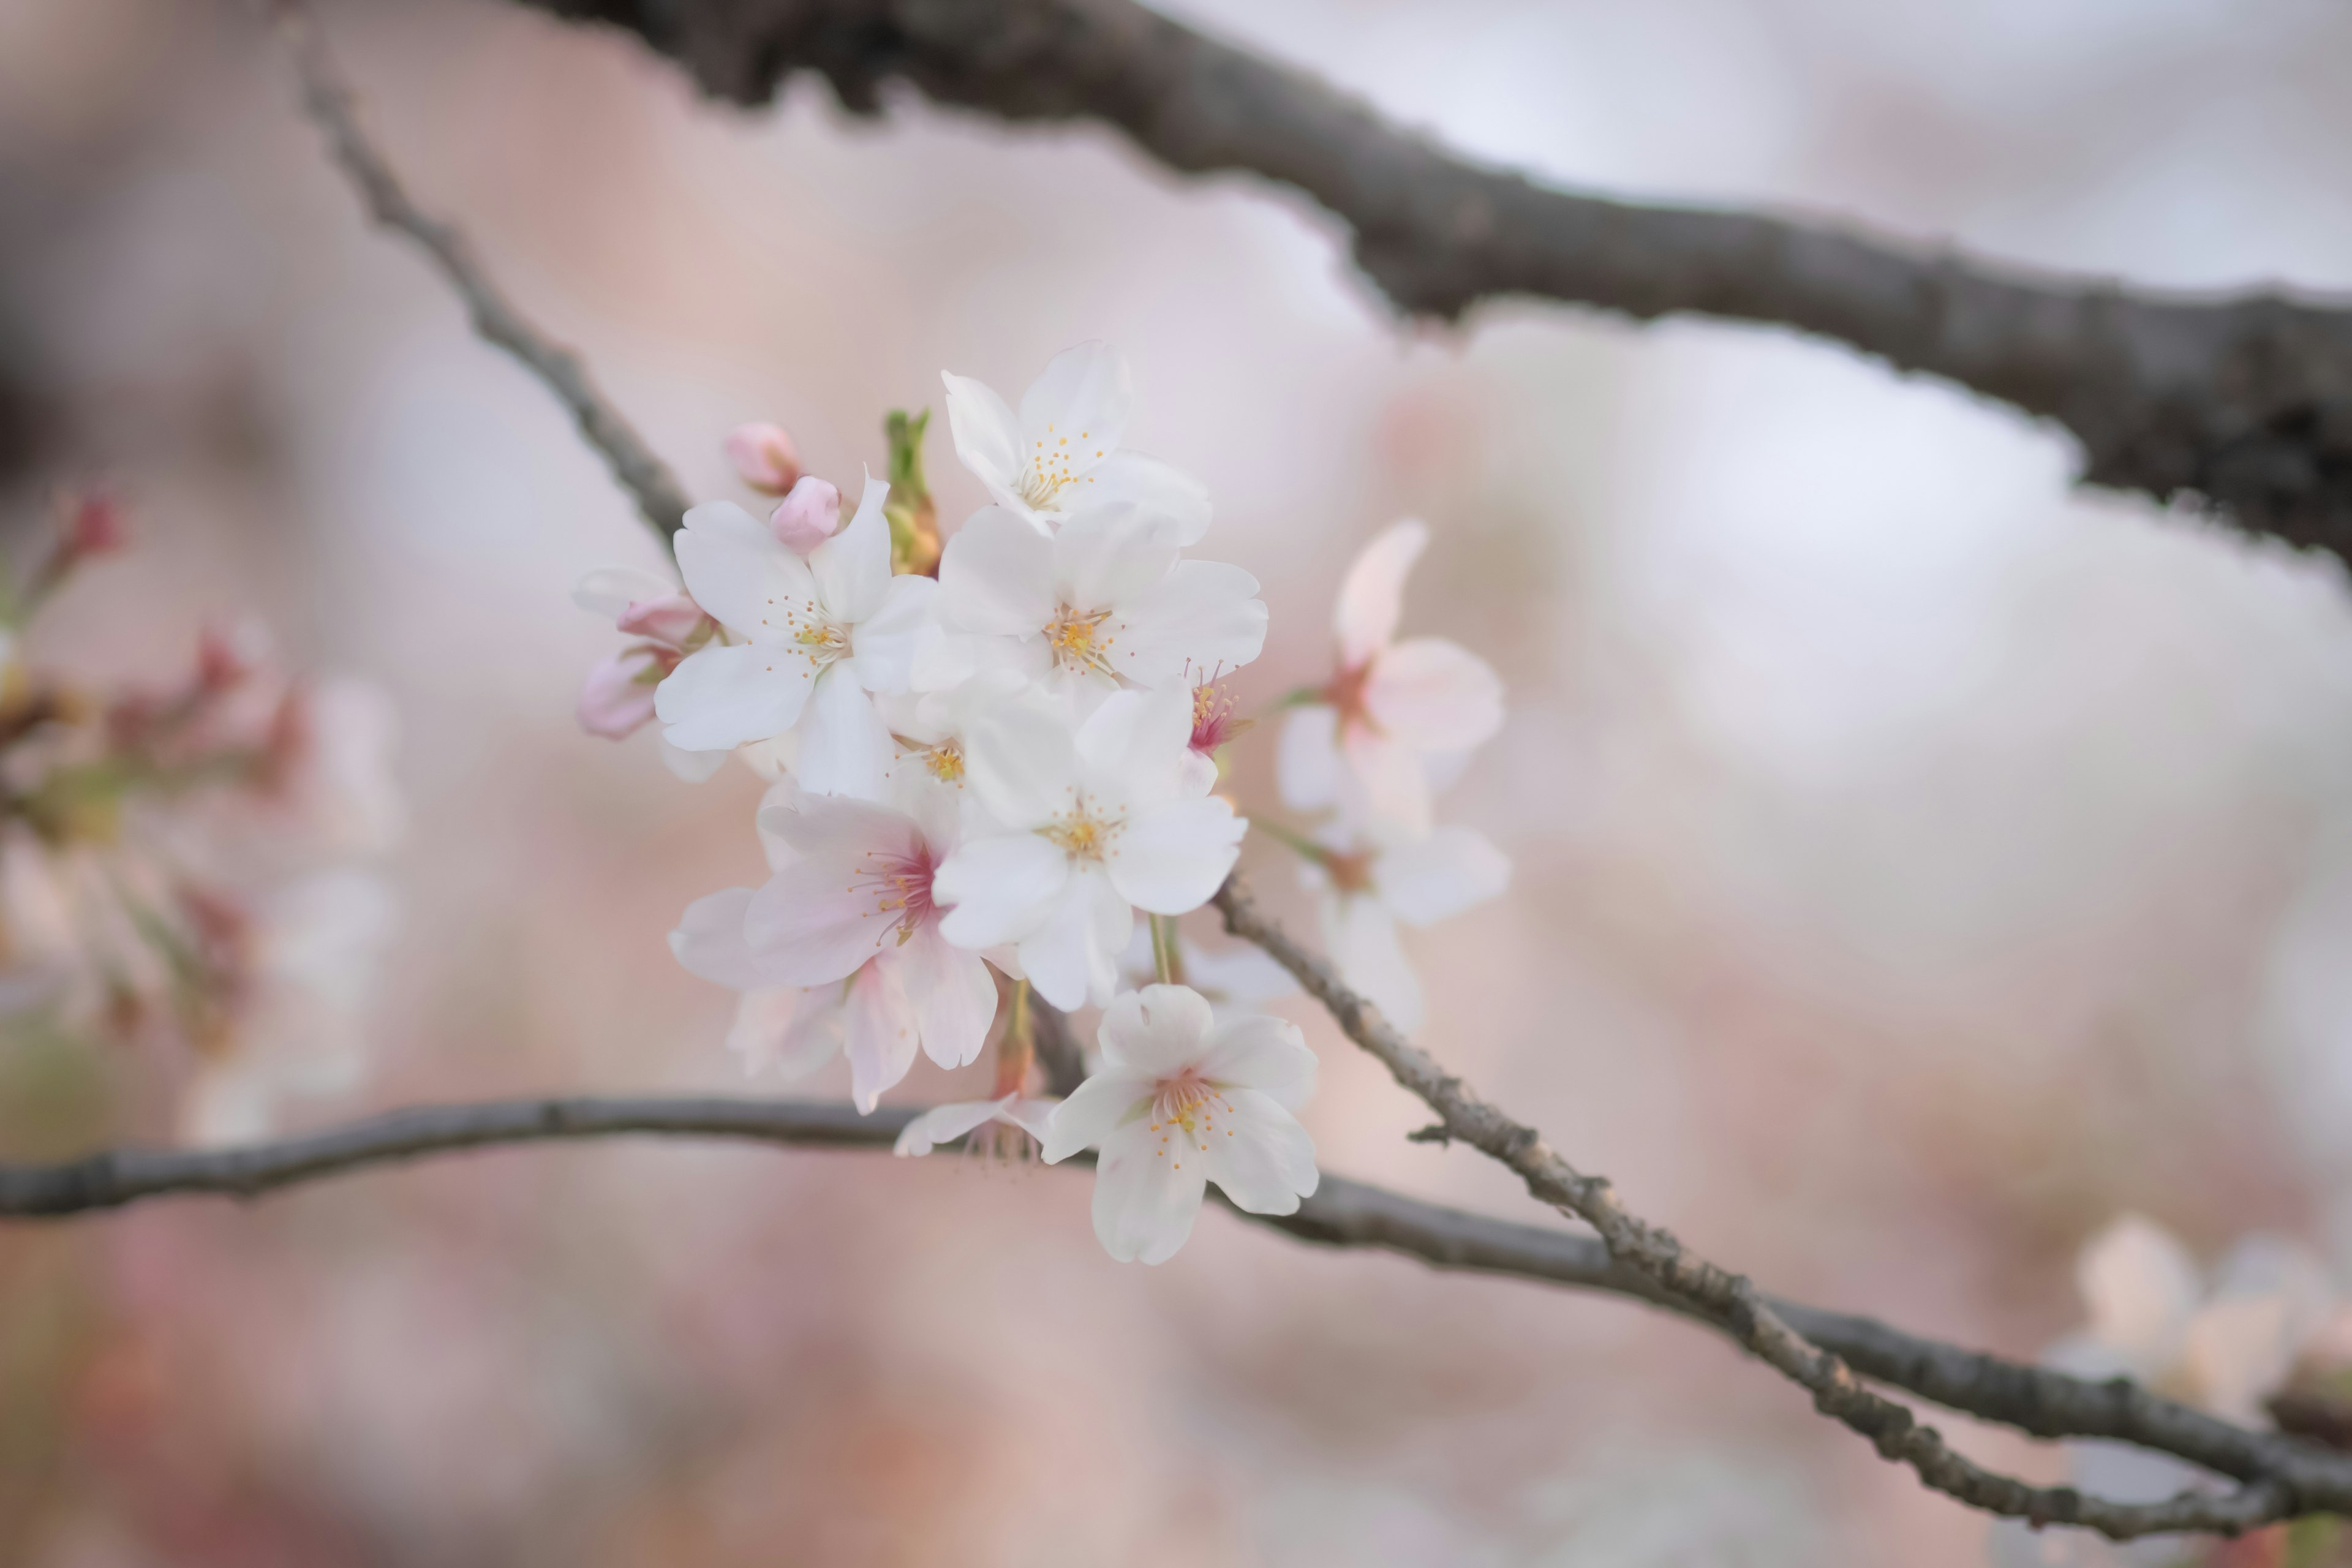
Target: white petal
{"type": "Point", "coordinates": [2141, 1288]}
{"type": "Point", "coordinates": [1167, 494]}
{"type": "Point", "coordinates": [2238, 1353]}
{"type": "Point", "coordinates": [987, 434]}
{"type": "Point", "coordinates": [1203, 616]}
{"type": "Point", "coordinates": [1372, 594]}
{"type": "Point", "coordinates": [709, 942]}
{"type": "Point", "coordinates": [818, 920]}
{"type": "Point", "coordinates": [1433, 696]}
{"type": "Point", "coordinates": [786, 1032]}
{"type": "Point", "coordinates": [1074, 414]}
{"type": "Point", "coordinates": [954, 1000]}
{"type": "Point", "coordinates": [738, 570]}
{"type": "Point", "coordinates": [1308, 766]}
{"type": "Point", "coordinates": [1032, 1116]}
{"type": "Point", "coordinates": [946, 1123]}
{"type": "Point", "coordinates": [1384, 789]}
{"type": "Point", "coordinates": [1266, 1054]}
{"type": "Point", "coordinates": [809, 824]}
{"type": "Point", "coordinates": [885, 642]}
{"type": "Point", "coordinates": [999, 889]}
{"type": "Point", "coordinates": [1021, 760]}
{"type": "Point", "coordinates": [852, 568]}
{"type": "Point", "coordinates": [844, 750]}
{"type": "Point", "coordinates": [1145, 1201]}
{"type": "Point", "coordinates": [1133, 746]}
{"type": "Point", "coordinates": [1104, 557]}
{"type": "Point", "coordinates": [692, 767]}
{"type": "Point", "coordinates": [1157, 1031]}
{"type": "Point", "coordinates": [1362, 939]}
{"type": "Point", "coordinates": [1094, 1110]}
{"type": "Point", "coordinates": [1452, 869]}
{"type": "Point", "coordinates": [609, 591]}
{"type": "Point", "coordinates": [721, 698]}
{"type": "Point", "coordinates": [880, 1030]}
{"type": "Point", "coordinates": [1257, 1151]}
{"type": "Point", "coordinates": [1071, 956]}
{"type": "Point", "coordinates": [1171, 856]}
{"type": "Point", "coordinates": [996, 577]}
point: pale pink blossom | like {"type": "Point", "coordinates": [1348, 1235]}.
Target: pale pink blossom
{"type": "Point", "coordinates": [806, 518]}
{"type": "Point", "coordinates": [1366, 743]}
{"type": "Point", "coordinates": [1365, 888]}
{"type": "Point", "coordinates": [618, 696]}
{"type": "Point", "coordinates": [765, 457]}
{"type": "Point", "coordinates": [946, 1123]}
{"type": "Point", "coordinates": [1181, 1100]}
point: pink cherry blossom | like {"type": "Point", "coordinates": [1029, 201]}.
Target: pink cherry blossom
{"type": "Point", "coordinates": [765, 457]}
{"type": "Point", "coordinates": [808, 517]}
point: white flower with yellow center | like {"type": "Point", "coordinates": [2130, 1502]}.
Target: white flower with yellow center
{"type": "Point", "coordinates": [807, 643]}
{"type": "Point", "coordinates": [1181, 1100]}
{"type": "Point", "coordinates": [1090, 827]}
{"type": "Point", "coordinates": [1062, 453]}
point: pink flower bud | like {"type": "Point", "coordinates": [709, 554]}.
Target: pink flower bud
{"type": "Point", "coordinates": [763, 456]}
{"type": "Point", "coordinates": [619, 696]}
{"type": "Point", "coordinates": [93, 524]}
{"type": "Point", "coordinates": [671, 619]}
{"type": "Point", "coordinates": [807, 517]}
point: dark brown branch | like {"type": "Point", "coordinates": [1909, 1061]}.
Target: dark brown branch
{"type": "Point", "coordinates": [2275, 1482]}
{"type": "Point", "coordinates": [2245, 400]}
{"type": "Point", "coordinates": [328, 101]}
{"type": "Point", "coordinates": [1342, 1212]}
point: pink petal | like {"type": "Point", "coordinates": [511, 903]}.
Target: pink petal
{"type": "Point", "coordinates": [1372, 595]}
{"type": "Point", "coordinates": [763, 456]}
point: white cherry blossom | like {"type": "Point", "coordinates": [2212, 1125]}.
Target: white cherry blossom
{"type": "Point", "coordinates": [946, 1123]}
{"type": "Point", "coordinates": [1104, 603]}
{"type": "Point", "coordinates": [809, 641]}
{"type": "Point", "coordinates": [617, 699]}
{"type": "Point", "coordinates": [1093, 826]}
{"type": "Point", "coordinates": [1062, 451]}
{"type": "Point", "coordinates": [1366, 744]}
{"type": "Point", "coordinates": [1181, 1100]}
{"type": "Point", "coordinates": [1365, 890]}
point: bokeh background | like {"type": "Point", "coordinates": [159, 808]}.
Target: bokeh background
{"type": "Point", "coordinates": [1919, 862]}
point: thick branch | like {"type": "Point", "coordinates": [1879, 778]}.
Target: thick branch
{"type": "Point", "coordinates": [328, 103]}
{"type": "Point", "coordinates": [2244, 400]}
{"type": "Point", "coordinates": [2277, 1479]}
{"type": "Point", "coordinates": [1342, 1212]}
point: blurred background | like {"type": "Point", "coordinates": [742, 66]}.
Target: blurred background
{"type": "Point", "coordinates": [1919, 863]}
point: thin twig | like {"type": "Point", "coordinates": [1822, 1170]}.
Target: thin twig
{"type": "Point", "coordinates": [2274, 1486]}
{"type": "Point", "coordinates": [329, 102]}
{"type": "Point", "coordinates": [2246, 400]}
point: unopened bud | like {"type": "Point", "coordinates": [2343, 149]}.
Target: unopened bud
{"type": "Point", "coordinates": [672, 619]}
{"type": "Point", "coordinates": [619, 696]}
{"type": "Point", "coordinates": [763, 455]}
{"type": "Point", "coordinates": [808, 517]}
{"type": "Point", "coordinates": [93, 524]}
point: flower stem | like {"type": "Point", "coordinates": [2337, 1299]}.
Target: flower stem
{"type": "Point", "coordinates": [1305, 847]}
{"type": "Point", "coordinates": [1164, 956]}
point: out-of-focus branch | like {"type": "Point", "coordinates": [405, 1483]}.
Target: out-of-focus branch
{"type": "Point", "coordinates": [2246, 400]}
{"type": "Point", "coordinates": [2278, 1478]}
{"type": "Point", "coordinates": [1342, 1213]}
{"type": "Point", "coordinates": [328, 101]}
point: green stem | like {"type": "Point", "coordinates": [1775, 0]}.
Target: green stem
{"type": "Point", "coordinates": [1298, 842]}
{"type": "Point", "coordinates": [1164, 956]}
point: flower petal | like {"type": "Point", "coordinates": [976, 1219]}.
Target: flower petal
{"type": "Point", "coordinates": [880, 1030]}
{"type": "Point", "coordinates": [1308, 766]}
{"type": "Point", "coordinates": [1074, 414]}
{"type": "Point", "coordinates": [709, 942]}
{"type": "Point", "coordinates": [845, 749]}
{"type": "Point", "coordinates": [986, 431]}
{"type": "Point", "coordinates": [1452, 869]}
{"type": "Point", "coordinates": [1093, 1111]}
{"type": "Point", "coordinates": [691, 767]}
{"type": "Point", "coordinates": [1205, 615]}
{"type": "Point", "coordinates": [1162, 492]}
{"type": "Point", "coordinates": [1264, 1053]}
{"type": "Point", "coordinates": [2141, 1288]}
{"type": "Point", "coordinates": [1385, 789]}
{"type": "Point", "coordinates": [1434, 696]}
{"type": "Point", "coordinates": [852, 568]}
{"type": "Point", "coordinates": [1260, 1155]}
{"type": "Point", "coordinates": [1371, 596]}
{"type": "Point", "coordinates": [721, 698]}
{"type": "Point", "coordinates": [946, 1123]}
{"type": "Point", "coordinates": [950, 990]}
{"type": "Point", "coordinates": [999, 889]}
{"type": "Point", "coordinates": [738, 571]}
{"type": "Point", "coordinates": [1104, 557]}
{"type": "Point", "coordinates": [1157, 1031]}
{"type": "Point", "coordinates": [786, 1032]}
{"type": "Point", "coordinates": [1145, 1201]}
{"type": "Point", "coordinates": [883, 643]}
{"type": "Point", "coordinates": [609, 591]}
{"type": "Point", "coordinates": [1363, 939]}
{"type": "Point", "coordinates": [1134, 745]}
{"type": "Point", "coordinates": [614, 702]}
{"type": "Point", "coordinates": [1170, 856]}
{"type": "Point", "coordinates": [1071, 956]}
{"type": "Point", "coordinates": [818, 920]}
{"type": "Point", "coordinates": [1020, 759]}
{"type": "Point", "coordinates": [996, 577]}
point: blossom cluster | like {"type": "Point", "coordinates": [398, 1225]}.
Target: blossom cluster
{"type": "Point", "coordinates": [188, 870]}
{"type": "Point", "coordinates": [995, 773]}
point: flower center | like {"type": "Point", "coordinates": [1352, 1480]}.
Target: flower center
{"type": "Point", "coordinates": [899, 885]}
{"type": "Point", "coordinates": [1078, 640]}
{"type": "Point", "coordinates": [1346, 693]}
{"type": "Point", "coordinates": [1047, 472]}
{"type": "Point", "coordinates": [1213, 723]}
{"type": "Point", "coordinates": [1190, 1103]}
{"type": "Point", "coordinates": [945, 762]}
{"type": "Point", "coordinates": [1081, 833]}
{"type": "Point", "coordinates": [822, 641]}
{"type": "Point", "coordinates": [1349, 873]}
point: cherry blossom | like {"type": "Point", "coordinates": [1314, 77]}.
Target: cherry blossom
{"type": "Point", "coordinates": [1366, 888]}
{"type": "Point", "coordinates": [946, 1123]}
{"type": "Point", "coordinates": [765, 457]}
{"type": "Point", "coordinates": [617, 699]}
{"type": "Point", "coordinates": [1365, 743]}
{"type": "Point", "coordinates": [1062, 451]}
{"type": "Point", "coordinates": [806, 518]}
{"type": "Point", "coordinates": [1104, 603]}
{"type": "Point", "coordinates": [808, 641]}
{"type": "Point", "coordinates": [1181, 1100]}
{"type": "Point", "coordinates": [1216, 722]}
{"type": "Point", "coordinates": [1094, 825]}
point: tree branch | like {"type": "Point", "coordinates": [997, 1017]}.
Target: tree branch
{"type": "Point", "coordinates": [328, 103]}
{"type": "Point", "coordinates": [2245, 400]}
{"type": "Point", "coordinates": [2276, 1482]}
